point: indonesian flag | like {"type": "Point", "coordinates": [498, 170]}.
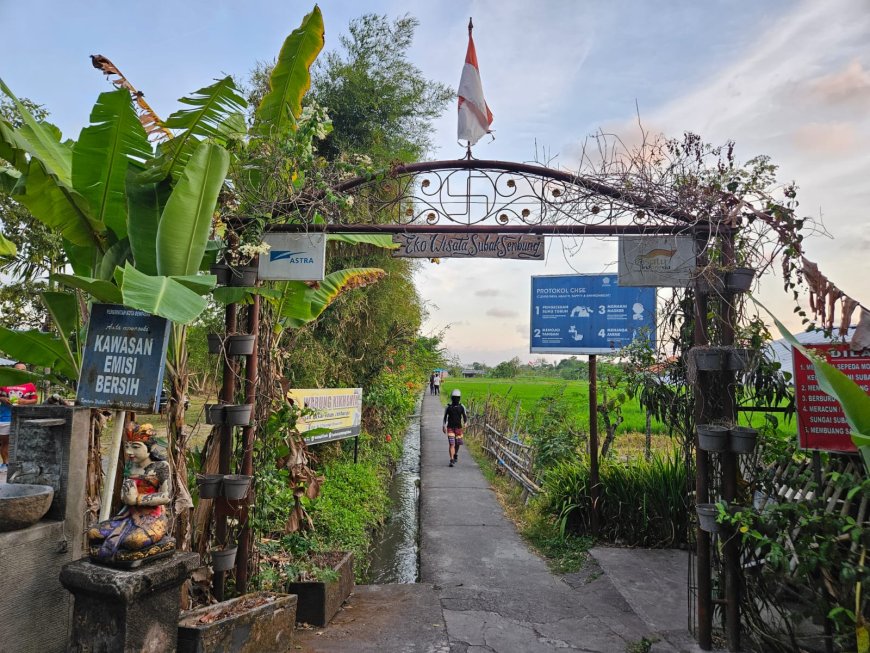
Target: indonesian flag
{"type": "Point", "coordinates": [474, 116]}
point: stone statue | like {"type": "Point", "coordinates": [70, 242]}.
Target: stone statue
{"type": "Point", "coordinates": [138, 533]}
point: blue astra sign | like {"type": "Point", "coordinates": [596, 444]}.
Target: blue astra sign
{"type": "Point", "coordinates": [588, 314]}
{"type": "Point", "coordinates": [299, 257]}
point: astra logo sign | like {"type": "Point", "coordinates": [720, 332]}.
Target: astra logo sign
{"type": "Point", "coordinates": [294, 257]}
{"type": "Point", "coordinates": [290, 257]}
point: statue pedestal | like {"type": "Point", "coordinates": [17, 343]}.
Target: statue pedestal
{"type": "Point", "coordinates": [118, 610]}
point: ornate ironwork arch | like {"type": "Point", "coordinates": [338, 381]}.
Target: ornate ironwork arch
{"type": "Point", "coordinates": [509, 196]}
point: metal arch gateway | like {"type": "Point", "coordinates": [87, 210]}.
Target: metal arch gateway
{"type": "Point", "coordinates": [508, 198]}
{"type": "Point", "coordinates": [469, 195]}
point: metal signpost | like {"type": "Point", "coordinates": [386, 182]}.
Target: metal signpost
{"type": "Point", "coordinates": [337, 414]}
{"type": "Point", "coordinates": [822, 425]}
{"type": "Point", "coordinates": [293, 257]}
{"type": "Point", "coordinates": [589, 314]}
{"type": "Point", "coordinates": [122, 369]}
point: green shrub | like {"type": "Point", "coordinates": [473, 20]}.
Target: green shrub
{"type": "Point", "coordinates": [641, 503]}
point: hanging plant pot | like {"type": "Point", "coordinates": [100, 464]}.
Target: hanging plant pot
{"type": "Point", "coordinates": [708, 281]}
{"type": "Point", "coordinates": [241, 345]}
{"type": "Point", "coordinates": [222, 272]}
{"type": "Point", "coordinates": [707, 517]}
{"type": "Point", "coordinates": [236, 486]}
{"type": "Point", "coordinates": [223, 559]}
{"type": "Point", "coordinates": [739, 279]}
{"type": "Point", "coordinates": [215, 413]}
{"type": "Point", "coordinates": [238, 415]}
{"type": "Point", "coordinates": [244, 276]}
{"type": "Point", "coordinates": [742, 439]}
{"type": "Point", "coordinates": [209, 485]}
{"type": "Point", "coordinates": [712, 437]}
{"type": "Point", "coordinates": [740, 359]}
{"type": "Point", "coordinates": [215, 343]}
{"type": "Point", "coordinates": [707, 359]}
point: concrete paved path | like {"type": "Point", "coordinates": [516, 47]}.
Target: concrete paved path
{"type": "Point", "coordinates": [495, 594]}
{"type": "Point", "coordinates": [483, 590]}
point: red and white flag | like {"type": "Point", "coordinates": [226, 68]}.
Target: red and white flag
{"type": "Point", "coordinates": [474, 116]}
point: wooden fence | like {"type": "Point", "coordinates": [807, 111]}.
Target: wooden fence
{"type": "Point", "coordinates": [510, 453]}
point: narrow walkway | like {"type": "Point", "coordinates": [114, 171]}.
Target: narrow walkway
{"type": "Point", "coordinates": [483, 590]}
{"type": "Point", "coordinates": [496, 595]}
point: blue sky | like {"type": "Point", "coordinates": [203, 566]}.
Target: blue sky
{"type": "Point", "coordinates": [784, 78]}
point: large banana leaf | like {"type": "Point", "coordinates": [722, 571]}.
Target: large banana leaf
{"type": "Point", "coordinates": [99, 289]}
{"type": "Point", "coordinates": [7, 247]}
{"type": "Point", "coordinates": [161, 296]}
{"type": "Point", "coordinates": [102, 155]}
{"type": "Point", "coordinates": [8, 179]}
{"type": "Point", "coordinates": [201, 284]}
{"type": "Point", "coordinates": [186, 220]}
{"type": "Point", "coordinates": [11, 376]}
{"type": "Point", "coordinates": [145, 204]}
{"type": "Point", "coordinates": [64, 310]}
{"type": "Point", "coordinates": [40, 349]}
{"type": "Point", "coordinates": [12, 147]}
{"type": "Point", "coordinates": [117, 255]}
{"type": "Point", "coordinates": [57, 206]}
{"type": "Point", "coordinates": [281, 106]}
{"type": "Point", "coordinates": [301, 303]}
{"type": "Point", "coordinates": [42, 141]}
{"type": "Point", "coordinates": [217, 114]}
{"type": "Point", "coordinates": [378, 240]}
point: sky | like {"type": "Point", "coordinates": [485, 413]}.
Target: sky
{"type": "Point", "coordinates": [784, 78]}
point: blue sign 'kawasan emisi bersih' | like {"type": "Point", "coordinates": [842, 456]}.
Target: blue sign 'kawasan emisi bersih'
{"type": "Point", "coordinates": [123, 361]}
{"type": "Point", "coordinates": [589, 314]}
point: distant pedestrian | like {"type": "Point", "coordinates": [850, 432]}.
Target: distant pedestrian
{"type": "Point", "coordinates": [455, 417]}
{"type": "Point", "coordinates": [432, 383]}
{"type": "Point", "coordinates": [12, 395]}
{"type": "Point", "coordinates": [437, 382]}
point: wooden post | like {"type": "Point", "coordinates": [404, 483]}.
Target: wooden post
{"type": "Point", "coordinates": [243, 555]}
{"type": "Point", "coordinates": [593, 440]}
{"type": "Point", "coordinates": [702, 479]}
{"type": "Point", "coordinates": [112, 472]}
{"type": "Point", "coordinates": [227, 396]}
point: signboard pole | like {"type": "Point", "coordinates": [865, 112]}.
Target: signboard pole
{"type": "Point", "coordinates": [593, 439]}
{"type": "Point", "coordinates": [114, 454]}
{"type": "Point", "coordinates": [355, 449]}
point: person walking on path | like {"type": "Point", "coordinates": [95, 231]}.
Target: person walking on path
{"type": "Point", "coordinates": [437, 382]}
{"type": "Point", "coordinates": [455, 417]}
{"type": "Point", "coordinates": [12, 395]}
{"type": "Point", "coordinates": [432, 383]}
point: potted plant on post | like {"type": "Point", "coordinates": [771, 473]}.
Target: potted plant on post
{"type": "Point", "coordinates": [712, 437]}
{"type": "Point", "coordinates": [742, 439]}
{"type": "Point", "coordinates": [243, 264]}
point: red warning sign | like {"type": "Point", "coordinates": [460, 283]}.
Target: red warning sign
{"type": "Point", "coordinates": [821, 423]}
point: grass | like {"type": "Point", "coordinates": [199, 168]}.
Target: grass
{"type": "Point", "coordinates": [563, 555]}
{"type": "Point", "coordinates": [527, 391]}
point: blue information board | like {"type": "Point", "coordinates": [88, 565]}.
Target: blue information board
{"type": "Point", "coordinates": [588, 314]}
{"type": "Point", "coordinates": [123, 360]}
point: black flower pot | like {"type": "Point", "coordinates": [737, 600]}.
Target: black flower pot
{"type": "Point", "coordinates": [712, 437]}
{"type": "Point", "coordinates": [241, 345]}
{"type": "Point", "coordinates": [742, 439]}
{"type": "Point", "coordinates": [223, 559]}
{"type": "Point", "coordinates": [740, 359]}
{"type": "Point", "coordinates": [215, 413]}
{"type": "Point", "coordinates": [244, 277]}
{"type": "Point", "coordinates": [209, 485]}
{"type": "Point", "coordinates": [215, 343]}
{"type": "Point", "coordinates": [238, 415]}
{"type": "Point", "coordinates": [707, 359]}
{"type": "Point", "coordinates": [222, 272]}
{"type": "Point", "coordinates": [739, 279]}
{"type": "Point", "coordinates": [236, 486]}
{"type": "Point", "coordinates": [707, 517]}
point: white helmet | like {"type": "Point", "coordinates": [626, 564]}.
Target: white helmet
{"type": "Point", "coordinates": [456, 393]}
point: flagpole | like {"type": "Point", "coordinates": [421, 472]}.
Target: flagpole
{"type": "Point", "coordinates": [468, 143]}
